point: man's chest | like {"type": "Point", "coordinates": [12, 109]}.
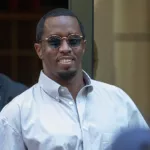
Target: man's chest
{"type": "Point", "coordinates": [73, 125]}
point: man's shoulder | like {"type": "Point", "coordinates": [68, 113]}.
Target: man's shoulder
{"type": "Point", "coordinates": [111, 91]}
{"type": "Point", "coordinates": [12, 111]}
{"type": "Point", "coordinates": [113, 95]}
{"type": "Point", "coordinates": [104, 86]}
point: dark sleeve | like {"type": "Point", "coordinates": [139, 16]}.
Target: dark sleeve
{"type": "Point", "coordinates": [20, 88]}
{"type": "Point", "coordinates": [15, 89]}
{"type": "Point", "coordinates": [9, 89]}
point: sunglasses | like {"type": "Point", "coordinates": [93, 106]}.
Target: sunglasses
{"type": "Point", "coordinates": [55, 41]}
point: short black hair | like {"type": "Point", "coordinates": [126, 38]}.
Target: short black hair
{"type": "Point", "coordinates": [54, 13]}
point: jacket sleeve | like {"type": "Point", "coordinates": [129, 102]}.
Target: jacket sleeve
{"type": "Point", "coordinates": [20, 88]}
{"type": "Point", "coordinates": [14, 90]}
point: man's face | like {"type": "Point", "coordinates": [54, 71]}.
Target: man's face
{"type": "Point", "coordinates": [65, 61]}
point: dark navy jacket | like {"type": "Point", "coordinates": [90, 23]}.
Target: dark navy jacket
{"type": "Point", "coordinates": [9, 89]}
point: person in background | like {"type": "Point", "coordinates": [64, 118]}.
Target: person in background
{"type": "Point", "coordinates": [132, 139]}
{"type": "Point", "coordinates": [9, 89]}
{"type": "Point", "coordinates": [66, 109]}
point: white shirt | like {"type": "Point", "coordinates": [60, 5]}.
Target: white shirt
{"type": "Point", "coordinates": [46, 117]}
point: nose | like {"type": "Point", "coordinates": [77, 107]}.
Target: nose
{"type": "Point", "coordinates": [65, 48]}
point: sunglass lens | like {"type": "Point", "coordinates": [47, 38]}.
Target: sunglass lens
{"type": "Point", "coordinates": [74, 41]}
{"type": "Point", "coordinates": [54, 42]}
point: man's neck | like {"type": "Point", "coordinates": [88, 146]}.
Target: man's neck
{"type": "Point", "coordinates": [74, 85]}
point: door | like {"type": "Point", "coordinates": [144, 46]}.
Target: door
{"type": "Point", "coordinates": [84, 9]}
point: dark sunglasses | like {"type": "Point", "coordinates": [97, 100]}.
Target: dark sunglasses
{"type": "Point", "coordinates": [55, 41]}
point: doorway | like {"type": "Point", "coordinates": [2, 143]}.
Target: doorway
{"type": "Point", "coordinates": [18, 20]}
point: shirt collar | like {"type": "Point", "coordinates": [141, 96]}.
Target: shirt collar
{"type": "Point", "coordinates": [49, 86]}
{"type": "Point", "coordinates": [87, 81]}
{"type": "Point", "coordinates": [52, 88]}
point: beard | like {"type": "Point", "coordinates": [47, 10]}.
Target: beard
{"type": "Point", "coordinates": [67, 75]}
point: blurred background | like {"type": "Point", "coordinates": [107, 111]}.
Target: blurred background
{"type": "Point", "coordinates": [118, 42]}
{"type": "Point", "coordinates": [18, 19]}
{"type": "Point", "coordinates": [122, 45]}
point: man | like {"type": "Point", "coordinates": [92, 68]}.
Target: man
{"type": "Point", "coordinates": [9, 89]}
{"type": "Point", "coordinates": [66, 109]}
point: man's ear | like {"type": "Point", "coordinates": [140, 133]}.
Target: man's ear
{"type": "Point", "coordinates": [38, 50]}
{"type": "Point", "coordinates": [84, 46]}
